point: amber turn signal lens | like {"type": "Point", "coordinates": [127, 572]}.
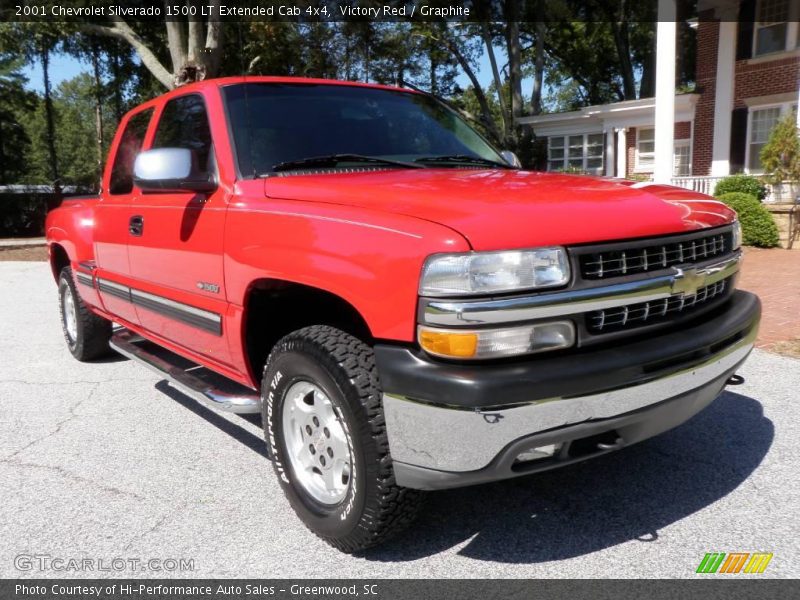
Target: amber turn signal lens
{"type": "Point", "coordinates": [446, 343]}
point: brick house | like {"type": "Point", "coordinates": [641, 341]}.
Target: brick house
{"type": "Point", "coordinates": [747, 75]}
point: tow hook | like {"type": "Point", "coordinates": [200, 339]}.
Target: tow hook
{"type": "Point", "coordinates": [735, 380]}
{"type": "Point", "coordinates": [618, 443]}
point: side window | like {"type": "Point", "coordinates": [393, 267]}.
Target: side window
{"type": "Point", "coordinates": [184, 124]}
{"type": "Point", "coordinates": [129, 146]}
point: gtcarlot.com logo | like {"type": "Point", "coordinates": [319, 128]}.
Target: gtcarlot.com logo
{"type": "Point", "coordinates": [46, 562]}
{"type": "Point", "coordinates": [734, 562]}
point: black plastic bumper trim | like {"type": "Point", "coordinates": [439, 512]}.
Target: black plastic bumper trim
{"type": "Point", "coordinates": [413, 374]}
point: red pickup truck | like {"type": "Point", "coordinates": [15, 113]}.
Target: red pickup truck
{"type": "Point", "coordinates": [406, 307]}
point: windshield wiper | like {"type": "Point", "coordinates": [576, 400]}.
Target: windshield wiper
{"type": "Point", "coordinates": [464, 158]}
{"type": "Point", "coordinates": [331, 160]}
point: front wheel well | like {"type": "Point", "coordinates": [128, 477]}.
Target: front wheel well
{"type": "Point", "coordinates": [274, 308]}
{"type": "Point", "coordinates": [58, 260]}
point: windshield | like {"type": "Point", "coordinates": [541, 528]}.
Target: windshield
{"type": "Point", "coordinates": [275, 123]}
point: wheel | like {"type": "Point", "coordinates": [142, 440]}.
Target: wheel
{"type": "Point", "coordinates": [86, 333]}
{"type": "Point", "coordinates": [323, 421]}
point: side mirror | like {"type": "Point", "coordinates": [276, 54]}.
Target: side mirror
{"type": "Point", "coordinates": [511, 158]}
{"type": "Point", "coordinates": [170, 170]}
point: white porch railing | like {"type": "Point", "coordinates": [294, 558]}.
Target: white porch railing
{"type": "Point", "coordinates": [704, 185]}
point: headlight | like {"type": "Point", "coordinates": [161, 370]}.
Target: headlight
{"type": "Point", "coordinates": [737, 235]}
{"type": "Point", "coordinates": [496, 343]}
{"type": "Point", "coordinates": [474, 273]}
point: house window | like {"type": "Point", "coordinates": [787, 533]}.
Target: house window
{"type": "Point", "coordinates": [760, 123]}
{"type": "Point", "coordinates": [646, 153]}
{"type": "Point", "coordinates": [645, 149]}
{"type": "Point", "coordinates": [775, 29]}
{"type": "Point", "coordinates": [555, 153]}
{"type": "Point", "coordinates": [582, 152]}
{"type": "Point", "coordinates": [682, 159]}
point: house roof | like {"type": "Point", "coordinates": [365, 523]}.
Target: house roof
{"type": "Point", "coordinates": [629, 113]}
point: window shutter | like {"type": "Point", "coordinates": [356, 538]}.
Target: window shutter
{"type": "Point", "coordinates": [738, 139]}
{"type": "Point", "coordinates": [744, 41]}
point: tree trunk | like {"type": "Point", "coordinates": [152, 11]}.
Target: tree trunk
{"type": "Point", "coordinates": [622, 42]}
{"type": "Point", "coordinates": [433, 83]}
{"type": "Point", "coordinates": [498, 84]}
{"type": "Point", "coordinates": [98, 109]}
{"type": "Point", "coordinates": [2, 154]}
{"type": "Point", "coordinates": [647, 87]}
{"type": "Point", "coordinates": [514, 69]}
{"type": "Point", "coordinates": [44, 55]}
{"type": "Point", "coordinates": [538, 69]}
{"type": "Point", "coordinates": [117, 87]}
{"type": "Point", "coordinates": [619, 31]}
{"type": "Point", "coordinates": [486, 116]}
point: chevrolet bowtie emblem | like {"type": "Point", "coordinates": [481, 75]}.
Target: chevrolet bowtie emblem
{"type": "Point", "coordinates": [688, 281]}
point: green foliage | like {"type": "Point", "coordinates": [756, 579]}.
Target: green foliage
{"type": "Point", "coordinates": [640, 177]}
{"type": "Point", "coordinates": [758, 226]}
{"type": "Point", "coordinates": [22, 214]}
{"type": "Point", "coordinates": [14, 101]}
{"type": "Point", "coordinates": [746, 184]}
{"type": "Point", "coordinates": [780, 156]}
{"type": "Point", "coordinates": [76, 137]}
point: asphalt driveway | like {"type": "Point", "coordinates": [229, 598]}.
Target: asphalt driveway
{"type": "Point", "coordinates": [104, 461]}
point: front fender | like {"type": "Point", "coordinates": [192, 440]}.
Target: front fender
{"type": "Point", "coordinates": [369, 258]}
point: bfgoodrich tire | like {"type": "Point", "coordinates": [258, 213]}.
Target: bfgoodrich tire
{"type": "Point", "coordinates": [323, 420]}
{"type": "Point", "coordinates": [86, 334]}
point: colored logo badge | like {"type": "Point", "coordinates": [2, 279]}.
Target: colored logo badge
{"type": "Point", "coordinates": [734, 562]}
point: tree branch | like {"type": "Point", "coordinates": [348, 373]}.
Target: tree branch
{"type": "Point", "coordinates": [121, 31]}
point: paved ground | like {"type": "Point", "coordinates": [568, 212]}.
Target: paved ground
{"type": "Point", "coordinates": [104, 461]}
{"type": "Point", "coordinates": [775, 276]}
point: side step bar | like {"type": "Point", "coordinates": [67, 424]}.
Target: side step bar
{"type": "Point", "coordinates": [238, 399]}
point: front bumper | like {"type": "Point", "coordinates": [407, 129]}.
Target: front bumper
{"type": "Point", "coordinates": [451, 424]}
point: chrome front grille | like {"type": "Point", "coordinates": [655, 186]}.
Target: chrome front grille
{"type": "Point", "coordinates": [645, 313]}
{"type": "Point", "coordinates": [630, 259]}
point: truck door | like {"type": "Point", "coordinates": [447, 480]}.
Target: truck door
{"type": "Point", "coordinates": [112, 219]}
{"type": "Point", "coordinates": [176, 242]}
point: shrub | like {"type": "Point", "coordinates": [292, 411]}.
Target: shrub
{"type": "Point", "coordinates": [758, 226]}
{"type": "Point", "coordinates": [746, 184]}
{"type": "Point", "coordinates": [780, 156]}
{"type": "Point", "coordinates": [22, 215]}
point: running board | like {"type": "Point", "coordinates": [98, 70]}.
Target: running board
{"type": "Point", "coordinates": [212, 390]}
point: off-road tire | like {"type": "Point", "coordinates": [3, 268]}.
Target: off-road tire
{"type": "Point", "coordinates": [92, 332]}
{"type": "Point", "coordinates": [374, 507]}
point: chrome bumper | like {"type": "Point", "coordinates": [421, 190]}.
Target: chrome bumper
{"type": "Point", "coordinates": [460, 440]}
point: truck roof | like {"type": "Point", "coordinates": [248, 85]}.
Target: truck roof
{"type": "Point", "coordinates": [225, 81]}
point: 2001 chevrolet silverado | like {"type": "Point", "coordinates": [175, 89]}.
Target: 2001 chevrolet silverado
{"type": "Point", "coordinates": [406, 308]}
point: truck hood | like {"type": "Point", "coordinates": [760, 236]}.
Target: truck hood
{"type": "Point", "coordinates": [497, 209]}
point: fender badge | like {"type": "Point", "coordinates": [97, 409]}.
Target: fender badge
{"type": "Point", "coordinates": [208, 287]}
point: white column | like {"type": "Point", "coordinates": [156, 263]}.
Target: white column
{"type": "Point", "coordinates": [723, 99]}
{"type": "Point", "coordinates": [622, 152]}
{"type": "Point", "coordinates": [798, 108]}
{"type": "Point", "coordinates": [665, 90]}
{"type": "Point", "coordinates": [608, 159]}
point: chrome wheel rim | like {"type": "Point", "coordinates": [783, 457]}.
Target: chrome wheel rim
{"type": "Point", "coordinates": [317, 444]}
{"type": "Point", "coordinates": [70, 314]}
